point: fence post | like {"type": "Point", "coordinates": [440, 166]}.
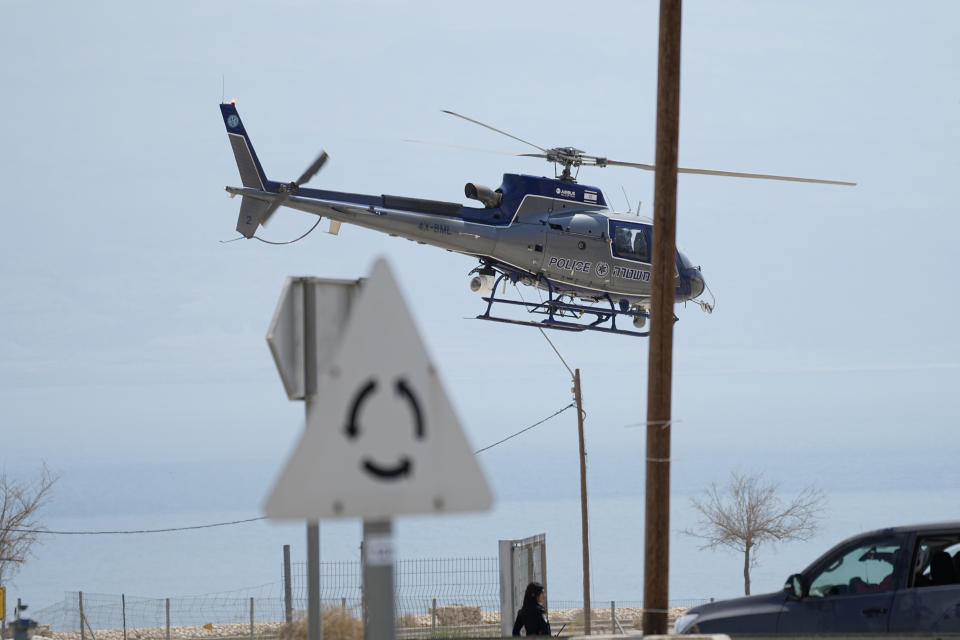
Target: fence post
{"type": "Point", "coordinates": [123, 610]}
{"type": "Point", "coordinates": [343, 604]}
{"type": "Point", "coordinates": [83, 633]}
{"type": "Point", "coordinates": [168, 618]}
{"type": "Point", "coordinates": [251, 617]}
{"type": "Point", "coordinates": [613, 617]}
{"type": "Point", "coordinates": [287, 586]}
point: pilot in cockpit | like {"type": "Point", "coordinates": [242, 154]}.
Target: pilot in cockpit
{"type": "Point", "coordinates": [621, 242]}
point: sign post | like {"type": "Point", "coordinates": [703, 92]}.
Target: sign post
{"type": "Point", "coordinates": [386, 441]}
{"type": "Point", "coordinates": [304, 331]}
{"type": "Point", "coordinates": [378, 578]}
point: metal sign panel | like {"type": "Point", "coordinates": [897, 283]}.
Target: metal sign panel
{"type": "Point", "coordinates": [307, 306]}
{"type": "Point", "coordinates": [382, 438]}
{"type": "Point", "coordinates": [285, 338]}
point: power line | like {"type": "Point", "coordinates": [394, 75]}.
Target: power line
{"type": "Point", "coordinates": [235, 522]}
{"type": "Point", "coordinates": [524, 430]}
{"type": "Point", "coordinates": [105, 533]}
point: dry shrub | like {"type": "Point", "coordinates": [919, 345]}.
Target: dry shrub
{"type": "Point", "coordinates": [456, 615]}
{"type": "Point", "coordinates": [337, 625]}
{"type": "Point", "coordinates": [408, 620]}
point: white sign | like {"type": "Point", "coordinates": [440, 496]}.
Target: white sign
{"type": "Point", "coordinates": [382, 438]}
{"type": "Point", "coordinates": [378, 550]}
{"type": "Point", "coordinates": [321, 303]}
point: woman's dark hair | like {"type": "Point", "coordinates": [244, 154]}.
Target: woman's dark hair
{"type": "Point", "coordinates": [534, 589]}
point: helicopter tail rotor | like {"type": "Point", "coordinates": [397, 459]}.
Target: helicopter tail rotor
{"type": "Point", "coordinates": [291, 188]}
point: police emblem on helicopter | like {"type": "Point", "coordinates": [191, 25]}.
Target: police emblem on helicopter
{"type": "Point", "coordinates": [602, 269]}
{"type": "Point", "coordinates": [233, 121]}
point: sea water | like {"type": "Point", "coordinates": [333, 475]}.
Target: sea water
{"type": "Point", "coordinates": [245, 559]}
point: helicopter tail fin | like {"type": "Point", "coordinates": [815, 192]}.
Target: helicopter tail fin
{"type": "Point", "coordinates": [251, 212]}
{"type": "Point", "coordinates": [251, 171]}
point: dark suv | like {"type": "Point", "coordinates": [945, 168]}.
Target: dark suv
{"type": "Point", "coordinates": [903, 579]}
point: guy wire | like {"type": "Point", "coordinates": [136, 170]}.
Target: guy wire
{"type": "Point", "coordinates": [524, 430]}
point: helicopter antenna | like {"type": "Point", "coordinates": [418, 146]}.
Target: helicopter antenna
{"type": "Point", "coordinates": [627, 198]}
{"type": "Point", "coordinates": [223, 88]}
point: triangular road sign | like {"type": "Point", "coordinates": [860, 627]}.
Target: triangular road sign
{"type": "Point", "coordinates": [382, 438]}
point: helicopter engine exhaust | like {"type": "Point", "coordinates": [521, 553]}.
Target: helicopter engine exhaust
{"type": "Point", "coordinates": [490, 198]}
{"type": "Point", "coordinates": [482, 283]}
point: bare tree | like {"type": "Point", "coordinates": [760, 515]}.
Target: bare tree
{"type": "Point", "coordinates": [20, 502]}
{"type": "Point", "coordinates": [748, 512]}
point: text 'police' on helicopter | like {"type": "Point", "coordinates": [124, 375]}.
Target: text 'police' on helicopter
{"type": "Point", "coordinates": [550, 233]}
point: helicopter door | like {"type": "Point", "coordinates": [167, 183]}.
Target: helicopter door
{"type": "Point", "coordinates": [630, 248]}
{"type": "Point", "coordinates": [576, 245]}
{"type": "Point", "coordinates": [522, 243]}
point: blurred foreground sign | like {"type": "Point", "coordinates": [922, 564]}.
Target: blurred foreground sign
{"type": "Point", "coordinates": [382, 438]}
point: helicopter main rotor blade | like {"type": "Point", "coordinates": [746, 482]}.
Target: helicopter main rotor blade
{"type": "Point", "coordinates": [460, 146]}
{"type": "Point", "coordinates": [312, 169]}
{"type": "Point", "coordinates": [635, 165]}
{"type": "Point", "coordinates": [764, 176]}
{"type": "Point", "coordinates": [452, 113]}
{"type": "Point", "coordinates": [731, 174]}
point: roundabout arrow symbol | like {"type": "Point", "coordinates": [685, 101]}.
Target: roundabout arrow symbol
{"type": "Point", "coordinates": [400, 470]}
{"type": "Point", "coordinates": [404, 390]}
{"type": "Point", "coordinates": [352, 429]}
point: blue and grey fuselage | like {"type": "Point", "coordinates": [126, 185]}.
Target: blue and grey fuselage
{"type": "Point", "coordinates": [539, 231]}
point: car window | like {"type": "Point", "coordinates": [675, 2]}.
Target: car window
{"type": "Point", "coordinates": [867, 568]}
{"type": "Point", "coordinates": [936, 561]}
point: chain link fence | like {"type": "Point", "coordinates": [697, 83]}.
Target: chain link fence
{"type": "Point", "coordinates": [434, 598]}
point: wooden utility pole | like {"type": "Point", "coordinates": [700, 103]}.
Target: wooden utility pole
{"type": "Point", "coordinates": [584, 537]}
{"type": "Point", "coordinates": [660, 365]}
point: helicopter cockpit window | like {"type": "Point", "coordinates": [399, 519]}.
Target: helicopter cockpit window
{"type": "Point", "coordinates": [630, 241]}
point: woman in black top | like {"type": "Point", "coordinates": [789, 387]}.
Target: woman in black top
{"type": "Point", "coordinates": [532, 616]}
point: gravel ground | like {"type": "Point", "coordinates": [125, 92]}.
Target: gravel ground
{"type": "Point", "coordinates": [573, 618]}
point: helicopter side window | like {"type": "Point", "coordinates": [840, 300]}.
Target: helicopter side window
{"type": "Point", "coordinates": [630, 242]}
{"type": "Point", "coordinates": [640, 246]}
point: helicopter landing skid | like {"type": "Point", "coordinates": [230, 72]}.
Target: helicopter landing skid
{"type": "Point", "coordinates": [566, 315]}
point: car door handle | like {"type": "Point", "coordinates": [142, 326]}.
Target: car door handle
{"type": "Point", "coordinates": [879, 611]}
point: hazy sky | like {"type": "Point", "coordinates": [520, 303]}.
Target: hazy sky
{"type": "Point", "coordinates": [132, 340]}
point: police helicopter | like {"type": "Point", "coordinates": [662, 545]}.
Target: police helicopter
{"type": "Point", "coordinates": [553, 234]}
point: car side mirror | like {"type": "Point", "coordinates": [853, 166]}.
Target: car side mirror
{"type": "Point", "coordinates": [794, 587]}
